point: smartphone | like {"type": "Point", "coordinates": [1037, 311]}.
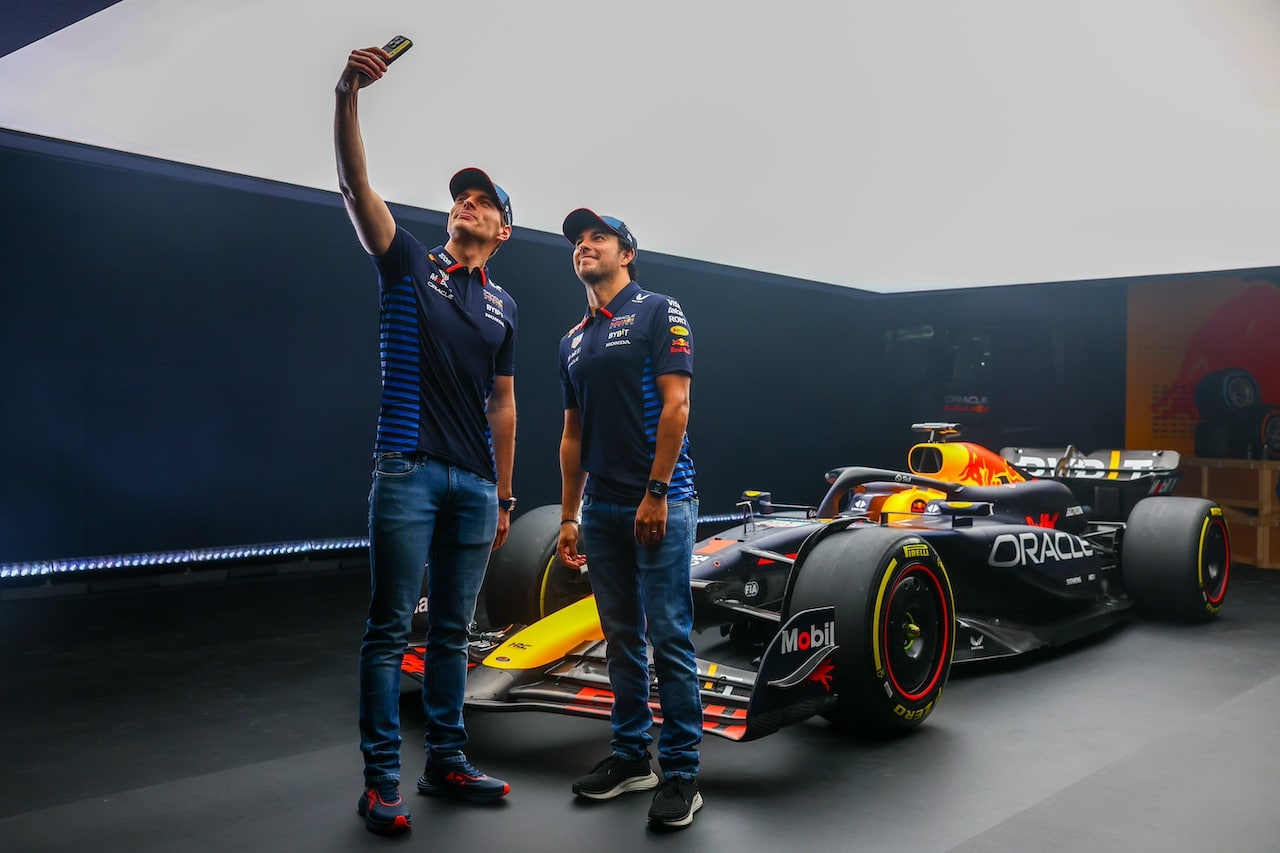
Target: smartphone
{"type": "Point", "coordinates": [396, 48]}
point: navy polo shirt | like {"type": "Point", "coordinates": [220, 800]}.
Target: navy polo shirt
{"type": "Point", "coordinates": [609, 364]}
{"type": "Point", "coordinates": [445, 333]}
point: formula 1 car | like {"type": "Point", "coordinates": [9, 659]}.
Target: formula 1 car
{"type": "Point", "coordinates": [865, 601]}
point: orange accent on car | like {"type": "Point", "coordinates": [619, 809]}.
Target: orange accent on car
{"type": "Point", "coordinates": [714, 545]}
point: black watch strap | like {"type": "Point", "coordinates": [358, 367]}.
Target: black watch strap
{"type": "Point", "coordinates": [657, 488]}
{"type": "Point", "coordinates": [508, 504]}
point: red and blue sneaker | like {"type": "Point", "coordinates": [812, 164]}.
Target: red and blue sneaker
{"type": "Point", "coordinates": [383, 811]}
{"type": "Point", "coordinates": [457, 778]}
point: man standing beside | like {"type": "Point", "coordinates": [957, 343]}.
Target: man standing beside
{"type": "Point", "coordinates": [441, 494]}
{"type": "Point", "coordinates": [625, 370]}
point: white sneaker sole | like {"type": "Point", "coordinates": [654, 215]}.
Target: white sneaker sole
{"type": "Point", "coordinates": [684, 820]}
{"type": "Point", "coordinates": [634, 783]}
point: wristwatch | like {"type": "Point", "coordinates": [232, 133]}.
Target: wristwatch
{"type": "Point", "coordinates": [509, 504]}
{"type": "Point", "coordinates": [657, 488]}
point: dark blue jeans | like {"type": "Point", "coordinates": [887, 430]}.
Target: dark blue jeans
{"type": "Point", "coordinates": [423, 515]}
{"type": "Point", "coordinates": [643, 590]}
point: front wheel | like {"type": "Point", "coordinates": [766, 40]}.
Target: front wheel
{"type": "Point", "coordinates": [526, 580]}
{"type": "Point", "coordinates": [895, 622]}
{"type": "Point", "coordinates": [1175, 558]}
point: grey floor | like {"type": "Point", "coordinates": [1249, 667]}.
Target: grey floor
{"type": "Point", "coordinates": [221, 716]}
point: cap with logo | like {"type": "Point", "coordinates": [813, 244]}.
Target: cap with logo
{"type": "Point", "coordinates": [582, 219]}
{"type": "Point", "coordinates": [473, 178]}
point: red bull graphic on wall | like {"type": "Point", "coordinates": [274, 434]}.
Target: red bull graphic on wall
{"type": "Point", "coordinates": [1204, 367]}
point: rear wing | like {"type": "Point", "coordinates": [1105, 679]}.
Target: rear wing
{"type": "Point", "coordinates": [1108, 481]}
{"type": "Point", "coordinates": [1059, 463]}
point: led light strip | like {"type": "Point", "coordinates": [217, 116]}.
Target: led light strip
{"type": "Point", "coordinates": [81, 565]}
{"type": "Point", "coordinates": [75, 566]}
{"type": "Point", "coordinates": [726, 518]}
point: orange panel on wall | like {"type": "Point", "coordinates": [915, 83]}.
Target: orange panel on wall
{"type": "Point", "coordinates": [1185, 336]}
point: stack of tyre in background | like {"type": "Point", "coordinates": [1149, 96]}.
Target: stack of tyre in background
{"type": "Point", "coordinates": [1237, 463]}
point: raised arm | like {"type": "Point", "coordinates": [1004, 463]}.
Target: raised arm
{"type": "Point", "coordinates": [369, 213]}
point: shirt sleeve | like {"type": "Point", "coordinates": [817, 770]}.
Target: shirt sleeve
{"type": "Point", "coordinates": [671, 340]}
{"type": "Point", "coordinates": [567, 394]}
{"type": "Point", "coordinates": [394, 262]}
{"type": "Point", "coordinates": [505, 363]}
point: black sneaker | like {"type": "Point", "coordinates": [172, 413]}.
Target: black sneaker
{"type": "Point", "coordinates": [383, 811]}
{"type": "Point", "coordinates": [675, 803]}
{"type": "Point", "coordinates": [459, 779]}
{"type": "Point", "coordinates": [615, 776]}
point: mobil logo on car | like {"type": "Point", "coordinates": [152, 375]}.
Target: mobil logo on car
{"type": "Point", "coordinates": [813, 637]}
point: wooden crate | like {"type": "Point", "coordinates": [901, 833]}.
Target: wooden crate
{"type": "Point", "coordinates": [1254, 539]}
{"type": "Point", "coordinates": [1246, 490]}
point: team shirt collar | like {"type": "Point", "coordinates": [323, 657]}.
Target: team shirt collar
{"type": "Point", "coordinates": [623, 296]}
{"type": "Point", "coordinates": [448, 264]}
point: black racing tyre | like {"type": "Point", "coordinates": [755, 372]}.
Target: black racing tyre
{"type": "Point", "coordinates": [1271, 433]}
{"type": "Point", "coordinates": [526, 580]}
{"type": "Point", "coordinates": [1252, 432]}
{"type": "Point", "coordinates": [1213, 440]}
{"type": "Point", "coordinates": [895, 622]}
{"type": "Point", "coordinates": [1223, 390]}
{"type": "Point", "coordinates": [1175, 558]}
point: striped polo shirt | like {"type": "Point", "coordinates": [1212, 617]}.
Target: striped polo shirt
{"type": "Point", "coordinates": [445, 332]}
{"type": "Point", "coordinates": [609, 365]}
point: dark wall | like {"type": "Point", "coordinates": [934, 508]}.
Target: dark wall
{"type": "Point", "coordinates": [184, 364]}
{"type": "Point", "coordinates": [1033, 365]}
{"type": "Point", "coordinates": [189, 360]}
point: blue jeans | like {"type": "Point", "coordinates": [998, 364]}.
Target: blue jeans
{"type": "Point", "coordinates": [421, 513]}
{"type": "Point", "coordinates": [633, 582]}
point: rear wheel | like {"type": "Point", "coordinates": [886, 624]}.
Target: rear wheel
{"type": "Point", "coordinates": [1175, 558]}
{"type": "Point", "coordinates": [895, 621]}
{"type": "Point", "coordinates": [526, 580]}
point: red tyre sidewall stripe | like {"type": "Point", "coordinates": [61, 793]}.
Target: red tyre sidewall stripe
{"type": "Point", "coordinates": [1226, 568]}
{"type": "Point", "coordinates": [944, 609]}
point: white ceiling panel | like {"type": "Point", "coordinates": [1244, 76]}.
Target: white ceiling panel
{"type": "Point", "coordinates": [884, 146]}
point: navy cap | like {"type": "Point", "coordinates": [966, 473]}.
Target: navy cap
{"type": "Point", "coordinates": [473, 178]}
{"type": "Point", "coordinates": [582, 219]}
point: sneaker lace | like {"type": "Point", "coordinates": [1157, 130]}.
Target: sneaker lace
{"type": "Point", "coordinates": [461, 765]}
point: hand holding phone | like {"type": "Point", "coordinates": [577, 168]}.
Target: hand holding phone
{"type": "Point", "coordinates": [369, 66]}
{"type": "Point", "coordinates": [396, 48]}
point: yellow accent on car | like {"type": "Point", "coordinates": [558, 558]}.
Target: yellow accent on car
{"type": "Point", "coordinates": [549, 640]}
{"type": "Point", "coordinates": [877, 661]}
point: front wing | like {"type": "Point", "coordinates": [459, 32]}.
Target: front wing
{"type": "Point", "coordinates": [794, 682]}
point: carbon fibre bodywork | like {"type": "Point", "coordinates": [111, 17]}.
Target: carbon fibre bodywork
{"type": "Point", "coordinates": [877, 590]}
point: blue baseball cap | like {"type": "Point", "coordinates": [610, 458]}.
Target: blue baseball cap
{"type": "Point", "coordinates": [582, 219]}
{"type": "Point", "coordinates": [473, 178]}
